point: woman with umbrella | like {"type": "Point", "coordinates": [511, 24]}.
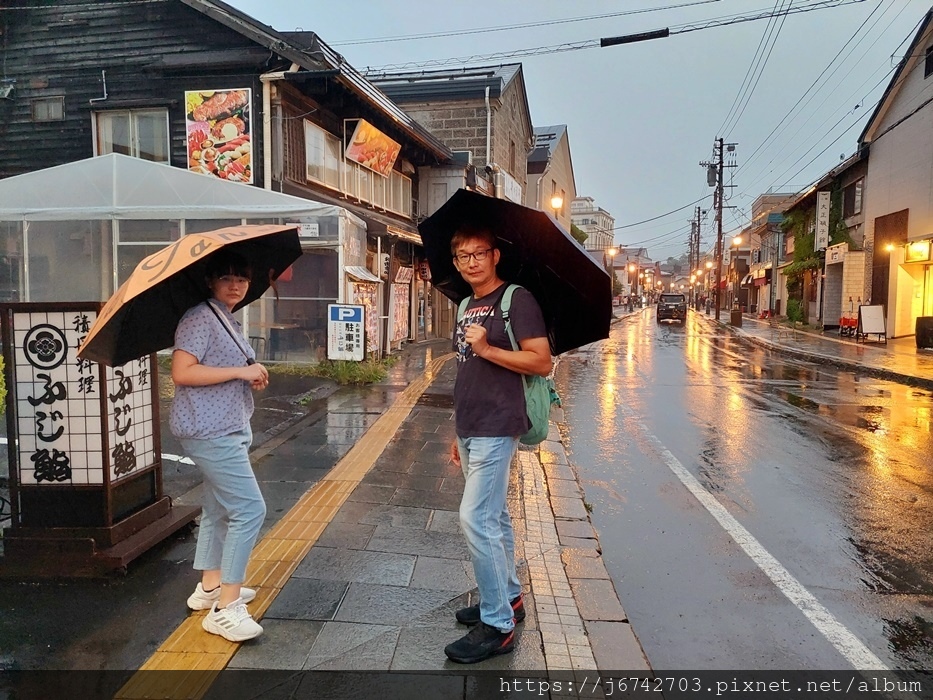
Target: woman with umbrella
{"type": "Point", "coordinates": [210, 416]}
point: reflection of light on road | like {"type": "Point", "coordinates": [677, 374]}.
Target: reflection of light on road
{"type": "Point", "coordinates": [607, 397]}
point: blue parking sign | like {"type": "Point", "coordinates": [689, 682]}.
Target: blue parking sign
{"type": "Point", "coordinates": [345, 336]}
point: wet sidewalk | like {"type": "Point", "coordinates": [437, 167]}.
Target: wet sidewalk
{"type": "Point", "coordinates": [360, 565]}
{"type": "Point", "coordinates": [898, 359]}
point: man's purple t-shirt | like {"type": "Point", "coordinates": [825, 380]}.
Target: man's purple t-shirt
{"type": "Point", "coordinates": [489, 400]}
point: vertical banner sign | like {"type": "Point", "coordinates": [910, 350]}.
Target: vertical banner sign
{"type": "Point", "coordinates": [822, 221]}
{"type": "Point", "coordinates": [58, 405]}
{"type": "Point", "coordinates": [345, 332]}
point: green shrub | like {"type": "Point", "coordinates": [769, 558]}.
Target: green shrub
{"type": "Point", "coordinates": [368, 371]}
{"type": "Point", "coordinates": [794, 310]}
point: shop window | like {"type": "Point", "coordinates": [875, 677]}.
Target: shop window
{"type": "Point", "coordinates": [852, 199]}
{"type": "Point", "coordinates": [322, 156]}
{"type": "Point", "coordinates": [140, 133]}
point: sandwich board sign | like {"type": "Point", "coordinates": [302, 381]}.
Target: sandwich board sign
{"type": "Point", "coordinates": [345, 337]}
{"type": "Point", "coordinates": [871, 322]}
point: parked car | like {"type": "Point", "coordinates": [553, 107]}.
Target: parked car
{"type": "Point", "coordinates": [673, 307]}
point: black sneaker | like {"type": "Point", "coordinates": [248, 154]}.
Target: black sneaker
{"type": "Point", "coordinates": [470, 615]}
{"type": "Point", "coordinates": [479, 644]}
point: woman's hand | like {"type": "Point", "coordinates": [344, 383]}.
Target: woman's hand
{"type": "Point", "coordinates": [256, 374]}
{"type": "Point", "coordinates": [455, 453]}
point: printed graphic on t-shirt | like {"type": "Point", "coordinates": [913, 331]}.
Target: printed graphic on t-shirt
{"type": "Point", "coordinates": [477, 314]}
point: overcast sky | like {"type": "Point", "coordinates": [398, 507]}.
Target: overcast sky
{"type": "Point", "coordinates": [641, 116]}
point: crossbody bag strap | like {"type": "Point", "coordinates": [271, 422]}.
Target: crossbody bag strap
{"type": "Point", "coordinates": [237, 338]}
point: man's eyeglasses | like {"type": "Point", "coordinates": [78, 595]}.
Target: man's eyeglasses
{"type": "Point", "coordinates": [479, 256]}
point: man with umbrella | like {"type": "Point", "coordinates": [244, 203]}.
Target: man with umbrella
{"type": "Point", "coordinates": [489, 406]}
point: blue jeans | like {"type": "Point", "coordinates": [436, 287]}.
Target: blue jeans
{"type": "Point", "coordinates": [484, 518]}
{"type": "Point", "coordinates": [232, 510]}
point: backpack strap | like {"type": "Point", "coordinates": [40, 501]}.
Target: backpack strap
{"type": "Point", "coordinates": [461, 310]}
{"type": "Point", "coordinates": [504, 305]}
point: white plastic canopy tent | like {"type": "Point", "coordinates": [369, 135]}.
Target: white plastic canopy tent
{"type": "Point", "coordinates": [120, 187]}
{"type": "Point", "coordinates": [71, 232]}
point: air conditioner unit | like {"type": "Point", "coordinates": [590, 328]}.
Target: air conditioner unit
{"type": "Point", "coordinates": [463, 157]}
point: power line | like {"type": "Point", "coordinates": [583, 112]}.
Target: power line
{"type": "Point", "coordinates": [756, 57]}
{"type": "Point", "coordinates": [594, 43]}
{"type": "Point", "coordinates": [821, 76]}
{"type": "Point", "coordinates": [527, 25]}
{"type": "Point", "coordinates": [661, 216]}
{"type": "Point", "coordinates": [762, 63]}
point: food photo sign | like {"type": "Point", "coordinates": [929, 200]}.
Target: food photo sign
{"type": "Point", "coordinates": [219, 132]}
{"type": "Point", "coordinates": [372, 149]}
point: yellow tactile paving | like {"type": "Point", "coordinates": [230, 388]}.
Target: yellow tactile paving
{"type": "Point", "coordinates": [268, 574]}
{"type": "Point", "coordinates": [189, 648]}
{"type": "Point", "coordinates": [175, 685]}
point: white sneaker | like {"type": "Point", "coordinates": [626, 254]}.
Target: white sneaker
{"type": "Point", "coordinates": [233, 623]}
{"type": "Point", "coordinates": [203, 600]}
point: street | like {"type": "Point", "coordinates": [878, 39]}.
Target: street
{"type": "Point", "coordinates": [754, 511]}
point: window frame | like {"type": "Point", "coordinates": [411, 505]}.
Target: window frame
{"type": "Point", "coordinates": [47, 102]}
{"type": "Point", "coordinates": [133, 114]}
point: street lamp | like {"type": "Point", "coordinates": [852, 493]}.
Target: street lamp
{"type": "Point", "coordinates": [557, 203]}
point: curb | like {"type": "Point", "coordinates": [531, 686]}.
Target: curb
{"type": "Point", "coordinates": [877, 372]}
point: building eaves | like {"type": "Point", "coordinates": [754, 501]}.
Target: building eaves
{"type": "Point", "coordinates": [308, 51]}
{"type": "Point", "coordinates": [894, 85]}
{"type": "Point", "coordinates": [441, 85]}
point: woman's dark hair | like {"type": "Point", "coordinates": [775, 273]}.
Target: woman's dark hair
{"type": "Point", "coordinates": [469, 233]}
{"type": "Point", "coordinates": [226, 262]}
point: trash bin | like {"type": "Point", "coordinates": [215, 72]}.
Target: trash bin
{"type": "Point", "coordinates": [924, 331]}
{"type": "Point", "coordinates": [736, 319]}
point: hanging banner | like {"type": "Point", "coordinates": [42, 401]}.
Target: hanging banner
{"type": "Point", "coordinates": [822, 221]}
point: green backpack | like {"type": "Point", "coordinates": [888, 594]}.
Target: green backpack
{"type": "Point", "coordinates": [540, 392]}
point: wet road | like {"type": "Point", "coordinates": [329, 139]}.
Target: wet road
{"type": "Point", "coordinates": [755, 511]}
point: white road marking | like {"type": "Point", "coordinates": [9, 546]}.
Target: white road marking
{"type": "Point", "coordinates": [850, 646]}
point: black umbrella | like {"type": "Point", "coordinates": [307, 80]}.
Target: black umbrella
{"type": "Point", "coordinates": [142, 315]}
{"type": "Point", "coordinates": [574, 292]}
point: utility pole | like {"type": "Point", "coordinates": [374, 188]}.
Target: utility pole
{"type": "Point", "coordinates": [715, 178]}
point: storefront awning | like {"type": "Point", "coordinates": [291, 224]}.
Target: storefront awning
{"type": "Point", "coordinates": [748, 280]}
{"type": "Point", "coordinates": [761, 281]}
{"type": "Point", "coordinates": [361, 274]}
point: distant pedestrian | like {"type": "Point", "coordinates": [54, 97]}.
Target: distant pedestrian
{"type": "Point", "coordinates": [489, 406]}
{"type": "Point", "coordinates": [210, 416]}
